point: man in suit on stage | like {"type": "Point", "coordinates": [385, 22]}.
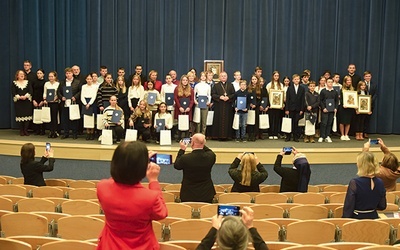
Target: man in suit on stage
{"type": "Point", "coordinates": [295, 104]}
{"type": "Point", "coordinates": [197, 184]}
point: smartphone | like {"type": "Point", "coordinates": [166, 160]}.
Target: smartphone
{"type": "Point", "coordinates": [374, 141]}
{"type": "Point", "coordinates": [228, 210]}
{"type": "Point", "coordinates": [48, 146]}
{"type": "Point", "coordinates": [162, 159]}
{"type": "Point", "coordinates": [248, 153]}
{"type": "Point", "coordinates": [187, 140]}
{"type": "Point", "coordinates": [287, 150]}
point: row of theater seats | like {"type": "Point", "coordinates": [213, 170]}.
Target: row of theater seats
{"type": "Point", "coordinates": [44, 243]}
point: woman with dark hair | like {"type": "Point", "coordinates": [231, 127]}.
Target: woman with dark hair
{"type": "Point", "coordinates": [294, 179]}
{"type": "Point", "coordinates": [251, 174]}
{"type": "Point", "coordinates": [128, 206]}
{"type": "Point", "coordinates": [33, 170]}
{"type": "Point", "coordinates": [37, 98]}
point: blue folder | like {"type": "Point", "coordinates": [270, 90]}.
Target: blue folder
{"type": "Point", "coordinates": [184, 102]}
{"type": "Point", "coordinates": [67, 92]}
{"type": "Point", "coordinates": [169, 99]}
{"type": "Point", "coordinates": [116, 116]}
{"type": "Point", "coordinates": [202, 100]}
{"type": "Point", "coordinates": [151, 98]}
{"type": "Point", "coordinates": [241, 103]}
{"type": "Point", "coordinates": [330, 105]}
{"type": "Point", "coordinates": [264, 102]}
{"type": "Point", "coordinates": [50, 95]}
{"type": "Point", "coordinates": [160, 125]}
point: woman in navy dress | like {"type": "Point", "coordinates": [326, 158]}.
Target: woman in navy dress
{"type": "Point", "coordinates": [366, 193]}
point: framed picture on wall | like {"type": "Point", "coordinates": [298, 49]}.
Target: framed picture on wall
{"type": "Point", "coordinates": [216, 66]}
{"type": "Point", "coordinates": [350, 99]}
{"type": "Point", "coordinates": [276, 99]}
{"type": "Point", "coordinates": [364, 104]}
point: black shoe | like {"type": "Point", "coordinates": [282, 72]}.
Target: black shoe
{"type": "Point", "coordinates": [64, 137]}
{"type": "Point", "coordinates": [87, 137]}
{"type": "Point", "coordinates": [74, 137]}
{"type": "Point", "coordinates": [296, 140]}
{"type": "Point", "coordinates": [287, 139]}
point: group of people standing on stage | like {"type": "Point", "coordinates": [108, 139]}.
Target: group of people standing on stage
{"type": "Point", "coordinates": [185, 104]}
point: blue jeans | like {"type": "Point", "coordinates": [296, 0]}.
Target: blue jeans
{"type": "Point", "coordinates": [241, 132]}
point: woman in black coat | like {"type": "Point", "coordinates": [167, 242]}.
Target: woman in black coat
{"type": "Point", "coordinates": [33, 170]}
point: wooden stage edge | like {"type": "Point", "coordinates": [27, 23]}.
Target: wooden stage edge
{"type": "Point", "coordinates": [76, 151]}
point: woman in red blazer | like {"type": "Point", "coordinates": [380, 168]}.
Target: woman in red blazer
{"type": "Point", "coordinates": [129, 207]}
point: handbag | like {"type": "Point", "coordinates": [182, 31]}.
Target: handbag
{"type": "Point", "coordinates": [251, 117]}
{"type": "Point", "coordinates": [74, 112]}
{"type": "Point", "coordinates": [334, 124]}
{"type": "Point", "coordinates": [196, 115]}
{"type": "Point", "coordinates": [309, 128]}
{"type": "Point", "coordinates": [131, 134]}
{"type": "Point", "coordinates": [106, 137]}
{"type": "Point", "coordinates": [263, 121]}
{"type": "Point", "coordinates": [99, 121]}
{"type": "Point", "coordinates": [88, 121]}
{"type": "Point", "coordinates": [183, 122]}
{"type": "Point", "coordinates": [235, 124]}
{"type": "Point", "coordinates": [210, 118]}
{"type": "Point", "coordinates": [46, 114]}
{"type": "Point", "coordinates": [165, 137]}
{"type": "Point", "coordinates": [37, 116]}
{"type": "Point", "coordinates": [286, 125]}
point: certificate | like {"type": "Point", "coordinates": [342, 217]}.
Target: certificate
{"type": "Point", "coordinates": [264, 102]}
{"type": "Point", "coordinates": [241, 103]}
{"type": "Point", "coordinates": [151, 98]}
{"type": "Point", "coordinates": [169, 99]}
{"type": "Point", "coordinates": [50, 95]}
{"type": "Point", "coordinates": [160, 125]}
{"type": "Point", "coordinates": [184, 102]}
{"type": "Point", "coordinates": [330, 105]}
{"type": "Point", "coordinates": [67, 92]}
{"type": "Point", "coordinates": [116, 116]}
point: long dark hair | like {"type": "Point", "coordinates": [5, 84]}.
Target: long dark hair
{"type": "Point", "coordinates": [27, 153]}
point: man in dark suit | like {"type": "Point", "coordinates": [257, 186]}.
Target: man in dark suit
{"type": "Point", "coordinates": [197, 184]}
{"type": "Point", "coordinates": [295, 104]}
{"type": "Point", "coordinates": [66, 101]}
{"type": "Point", "coordinates": [372, 90]}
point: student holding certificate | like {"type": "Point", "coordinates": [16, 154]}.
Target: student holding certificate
{"type": "Point", "coordinates": [153, 98]}
{"type": "Point", "coordinates": [50, 98]}
{"type": "Point", "coordinates": [329, 99]}
{"type": "Point", "coordinates": [202, 91]}
{"type": "Point", "coordinates": [243, 99]}
{"type": "Point", "coordinates": [141, 120]}
{"type": "Point", "coordinates": [113, 118]}
{"type": "Point", "coordinates": [162, 120]}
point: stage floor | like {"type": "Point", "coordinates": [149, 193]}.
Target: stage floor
{"type": "Point", "coordinates": [319, 153]}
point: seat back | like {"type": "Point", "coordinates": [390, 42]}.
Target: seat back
{"type": "Point", "coordinates": [308, 212]}
{"type": "Point", "coordinates": [79, 227]}
{"type": "Point", "coordinates": [372, 231]}
{"type": "Point", "coordinates": [13, 244]}
{"type": "Point", "coordinates": [263, 211]}
{"type": "Point", "coordinates": [80, 207]}
{"type": "Point", "coordinates": [22, 223]}
{"type": "Point", "coordinates": [171, 187]}
{"type": "Point", "coordinates": [169, 246]}
{"type": "Point", "coordinates": [186, 244]}
{"type": "Point", "coordinates": [183, 230]}
{"type": "Point", "coordinates": [43, 192]}
{"type": "Point", "coordinates": [6, 204]}
{"type": "Point", "coordinates": [348, 245]}
{"type": "Point", "coordinates": [35, 241]}
{"type": "Point", "coordinates": [270, 198]}
{"type": "Point", "coordinates": [310, 232]}
{"type": "Point", "coordinates": [35, 204]}
{"type": "Point", "coordinates": [313, 189]}
{"type": "Point", "coordinates": [270, 189]}
{"type": "Point", "coordinates": [13, 190]}
{"type": "Point", "coordinates": [82, 193]}
{"type": "Point", "coordinates": [309, 198]}
{"type": "Point", "coordinates": [82, 184]}
{"type": "Point", "coordinates": [335, 188]}
{"type": "Point", "coordinates": [168, 197]}
{"type": "Point", "coordinates": [55, 182]}
{"type": "Point", "coordinates": [158, 230]}
{"type": "Point", "coordinates": [234, 197]}
{"type": "Point", "coordinates": [337, 198]}
{"type": "Point", "coordinates": [68, 245]}
{"type": "Point", "coordinates": [267, 229]}
{"type": "Point", "coordinates": [208, 211]}
{"type": "Point", "coordinates": [179, 210]}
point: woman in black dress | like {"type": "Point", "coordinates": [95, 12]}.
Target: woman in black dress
{"type": "Point", "coordinates": [37, 98]}
{"type": "Point", "coordinates": [33, 170]}
{"type": "Point", "coordinates": [22, 97]}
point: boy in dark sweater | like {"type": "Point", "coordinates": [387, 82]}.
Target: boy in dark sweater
{"type": "Point", "coordinates": [242, 102]}
{"type": "Point", "coordinates": [312, 106]}
{"type": "Point", "coordinates": [329, 99]}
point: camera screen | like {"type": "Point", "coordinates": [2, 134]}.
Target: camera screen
{"type": "Point", "coordinates": [187, 140]}
{"type": "Point", "coordinates": [161, 159]}
{"type": "Point", "coordinates": [228, 210]}
{"type": "Point", "coordinates": [287, 150]}
{"type": "Point", "coordinates": [374, 141]}
{"type": "Point", "coordinates": [48, 146]}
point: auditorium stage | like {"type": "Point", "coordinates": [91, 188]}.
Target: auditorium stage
{"type": "Point", "coordinates": [338, 152]}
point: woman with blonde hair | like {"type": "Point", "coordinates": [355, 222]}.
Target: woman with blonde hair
{"type": "Point", "coordinates": [251, 174]}
{"type": "Point", "coordinates": [184, 100]}
{"type": "Point", "coordinates": [366, 193]}
{"type": "Point", "coordinates": [141, 120]}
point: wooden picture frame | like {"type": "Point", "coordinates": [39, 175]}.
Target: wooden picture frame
{"type": "Point", "coordinates": [216, 66]}
{"type": "Point", "coordinates": [364, 104]}
{"type": "Point", "coordinates": [350, 99]}
{"type": "Point", "coordinates": [276, 99]}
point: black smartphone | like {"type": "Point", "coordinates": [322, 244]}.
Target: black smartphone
{"type": "Point", "coordinates": [228, 210]}
{"type": "Point", "coordinates": [374, 141]}
{"type": "Point", "coordinates": [48, 146]}
{"type": "Point", "coordinates": [287, 150]}
{"type": "Point", "coordinates": [248, 153]}
{"type": "Point", "coordinates": [187, 140]}
{"type": "Point", "coordinates": [161, 159]}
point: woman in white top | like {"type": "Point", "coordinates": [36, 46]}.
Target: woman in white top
{"type": "Point", "coordinates": [88, 98]}
{"type": "Point", "coordinates": [51, 87]}
{"type": "Point", "coordinates": [135, 92]}
{"type": "Point", "coordinates": [162, 114]}
{"type": "Point", "coordinates": [116, 127]}
{"type": "Point", "coordinates": [202, 89]}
